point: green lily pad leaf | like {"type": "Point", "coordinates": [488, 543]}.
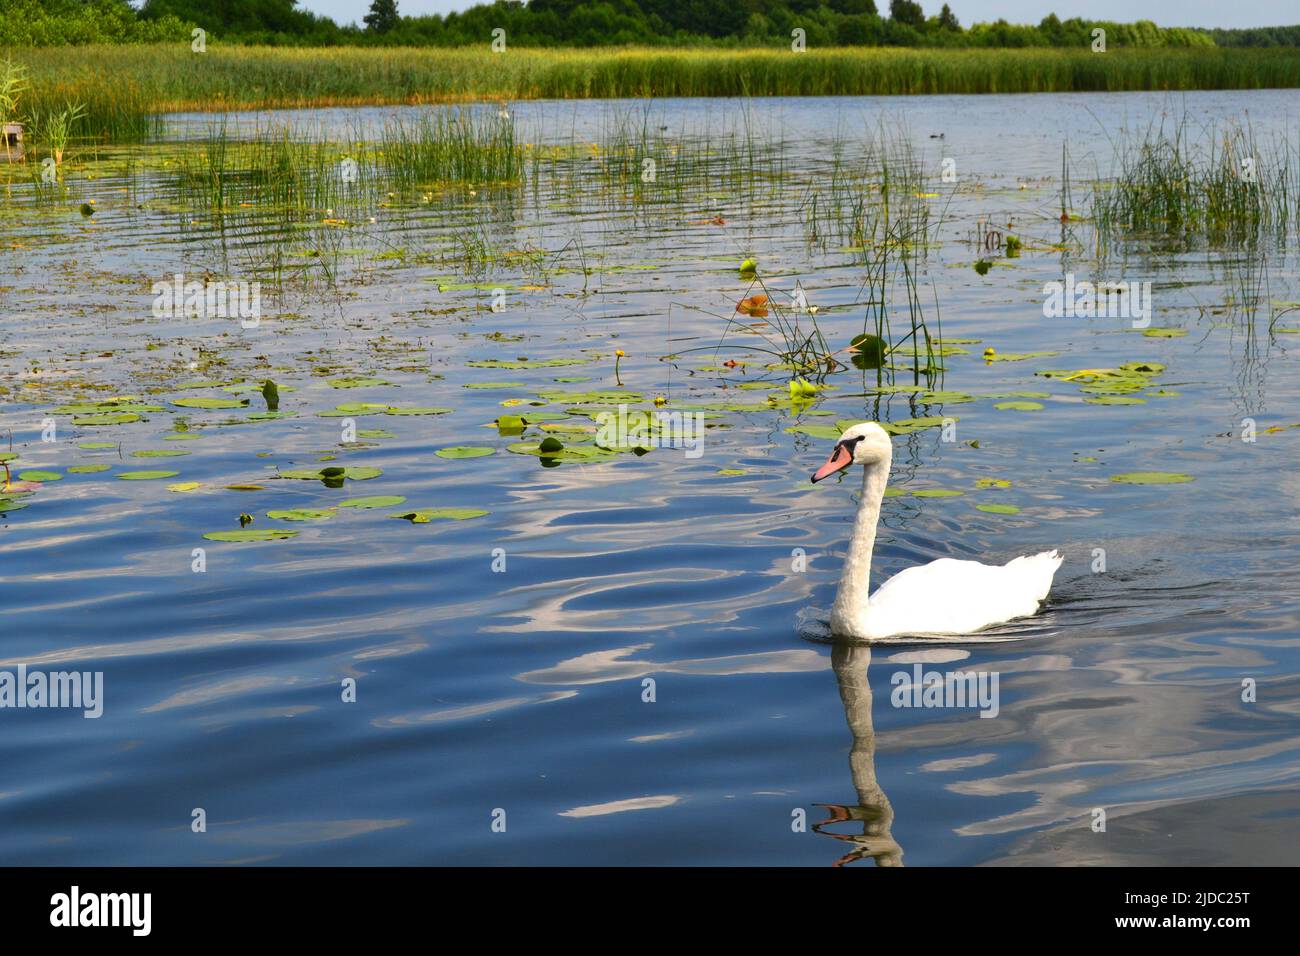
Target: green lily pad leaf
{"type": "Point", "coordinates": [113, 418]}
{"type": "Point", "coordinates": [950, 398]}
{"type": "Point", "coordinates": [731, 472]}
{"type": "Point", "coordinates": [586, 453]}
{"type": "Point", "coordinates": [464, 451]}
{"type": "Point", "coordinates": [375, 433]}
{"type": "Point", "coordinates": [1018, 406]}
{"type": "Point", "coordinates": [489, 385]}
{"type": "Point", "coordinates": [527, 363]}
{"type": "Point", "coordinates": [9, 504]}
{"type": "Point", "coordinates": [210, 402]}
{"type": "Point", "coordinates": [868, 351]}
{"type": "Point", "coordinates": [300, 514]}
{"type": "Point", "coordinates": [159, 453]}
{"type": "Point", "coordinates": [817, 431]}
{"type": "Point", "coordinates": [938, 493]}
{"type": "Point", "coordinates": [908, 425]}
{"type": "Point", "coordinates": [999, 509]}
{"type": "Point", "coordinates": [357, 382]}
{"type": "Point", "coordinates": [87, 469]}
{"type": "Point", "coordinates": [356, 473]}
{"type": "Point", "coordinates": [375, 501]}
{"type": "Point", "coordinates": [435, 514]}
{"type": "Point", "coordinates": [41, 476]}
{"type": "Point", "coordinates": [146, 475]}
{"type": "Point", "coordinates": [992, 483]}
{"type": "Point", "coordinates": [97, 445]}
{"type": "Point", "coordinates": [418, 411]}
{"type": "Point", "coordinates": [1016, 356]}
{"type": "Point", "coordinates": [354, 410]}
{"type": "Point", "coordinates": [1159, 333]}
{"type": "Point", "coordinates": [1114, 400]}
{"type": "Point", "coordinates": [181, 436]}
{"type": "Point", "coordinates": [252, 534]}
{"type": "Point", "coordinates": [1151, 478]}
{"type": "Point", "coordinates": [612, 398]}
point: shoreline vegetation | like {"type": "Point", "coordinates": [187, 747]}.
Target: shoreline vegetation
{"type": "Point", "coordinates": [122, 86]}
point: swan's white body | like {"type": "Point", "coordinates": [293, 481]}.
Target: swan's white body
{"type": "Point", "coordinates": [945, 597]}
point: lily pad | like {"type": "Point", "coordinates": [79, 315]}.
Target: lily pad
{"type": "Point", "coordinates": [356, 473]}
{"type": "Point", "coordinates": [375, 501]}
{"type": "Point", "coordinates": [159, 453]}
{"type": "Point", "coordinates": [418, 411]}
{"type": "Point", "coordinates": [938, 493]}
{"type": "Point", "coordinates": [357, 382]}
{"type": "Point", "coordinates": [830, 432]}
{"type": "Point", "coordinates": [87, 469]}
{"type": "Point", "coordinates": [41, 476]}
{"type": "Point", "coordinates": [435, 514]}
{"type": "Point", "coordinates": [1018, 406]}
{"type": "Point", "coordinates": [183, 486]}
{"type": "Point", "coordinates": [999, 509]}
{"type": "Point", "coordinates": [146, 475]}
{"type": "Point", "coordinates": [1151, 478]}
{"type": "Point", "coordinates": [300, 514]}
{"type": "Point", "coordinates": [210, 402]}
{"type": "Point", "coordinates": [112, 418]}
{"type": "Point", "coordinates": [1114, 400]}
{"type": "Point", "coordinates": [464, 451]}
{"type": "Point", "coordinates": [252, 534]}
{"type": "Point", "coordinates": [527, 363]}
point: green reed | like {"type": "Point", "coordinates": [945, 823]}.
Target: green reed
{"type": "Point", "coordinates": [474, 146]}
{"type": "Point", "coordinates": [125, 86]}
{"type": "Point", "coordinates": [1223, 187]}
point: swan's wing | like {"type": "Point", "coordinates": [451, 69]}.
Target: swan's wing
{"type": "Point", "coordinates": [958, 597]}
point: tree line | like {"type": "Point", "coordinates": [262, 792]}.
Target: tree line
{"type": "Point", "coordinates": [586, 23]}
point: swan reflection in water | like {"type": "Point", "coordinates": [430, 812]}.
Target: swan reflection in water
{"type": "Point", "coordinates": [873, 815]}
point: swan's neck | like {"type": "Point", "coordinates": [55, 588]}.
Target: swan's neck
{"type": "Point", "coordinates": [855, 581]}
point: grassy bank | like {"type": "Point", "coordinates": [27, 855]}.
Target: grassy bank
{"type": "Point", "coordinates": [121, 85]}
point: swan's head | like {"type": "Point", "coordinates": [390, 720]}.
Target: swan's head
{"type": "Point", "coordinates": [864, 444]}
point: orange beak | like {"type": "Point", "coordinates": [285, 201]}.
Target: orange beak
{"type": "Point", "coordinates": [840, 459]}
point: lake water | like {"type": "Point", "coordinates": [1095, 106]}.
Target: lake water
{"type": "Point", "coordinates": [500, 661]}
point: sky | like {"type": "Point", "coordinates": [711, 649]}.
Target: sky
{"type": "Point", "coordinates": [1167, 13]}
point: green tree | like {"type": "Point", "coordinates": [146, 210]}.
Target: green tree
{"type": "Point", "coordinates": [907, 13]}
{"type": "Point", "coordinates": [948, 19]}
{"type": "Point", "coordinates": [383, 16]}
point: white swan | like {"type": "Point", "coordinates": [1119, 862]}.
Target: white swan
{"type": "Point", "coordinates": [947, 596]}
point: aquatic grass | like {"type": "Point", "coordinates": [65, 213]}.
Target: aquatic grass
{"type": "Point", "coordinates": [125, 86]}
{"type": "Point", "coordinates": [442, 146]}
{"type": "Point", "coordinates": [1224, 187]}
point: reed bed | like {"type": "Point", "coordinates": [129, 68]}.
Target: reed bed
{"type": "Point", "coordinates": [124, 87]}
{"type": "Point", "coordinates": [1223, 186]}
